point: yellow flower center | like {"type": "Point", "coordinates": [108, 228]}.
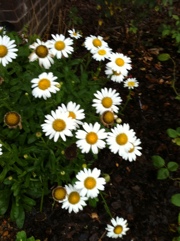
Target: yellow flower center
{"type": "Point", "coordinates": [108, 117]}
{"type": "Point", "coordinates": [97, 43]}
{"type": "Point", "coordinates": [3, 51]}
{"type": "Point", "coordinates": [44, 84]}
{"type": "Point", "coordinates": [74, 33]}
{"type": "Point", "coordinates": [42, 51]}
{"type": "Point", "coordinates": [107, 102]}
{"type": "Point", "coordinates": [59, 45]}
{"type": "Point", "coordinates": [131, 83]}
{"type": "Point", "coordinates": [12, 118]}
{"type": "Point", "coordinates": [72, 115]}
{"type": "Point", "coordinates": [74, 197]}
{"type": "Point", "coordinates": [119, 62]}
{"type": "Point", "coordinates": [59, 193]}
{"type": "Point", "coordinates": [122, 139]}
{"type": "Point", "coordinates": [102, 52]}
{"type": "Point", "coordinates": [91, 138]}
{"type": "Point", "coordinates": [132, 149]}
{"type": "Point", "coordinates": [59, 125]}
{"type": "Point", "coordinates": [116, 73]}
{"type": "Point", "coordinates": [118, 229]}
{"type": "Point", "coordinates": [89, 182]}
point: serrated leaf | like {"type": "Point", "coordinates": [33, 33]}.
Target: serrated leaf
{"type": "Point", "coordinates": [163, 57]}
{"type": "Point", "coordinates": [163, 173]}
{"type": "Point", "coordinates": [172, 133]}
{"type": "Point", "coordinates": [172, 166]}
{"type": "Point", "coordinates": [158, 161]}
{"type": "Point", "coordinates": [175, 199]}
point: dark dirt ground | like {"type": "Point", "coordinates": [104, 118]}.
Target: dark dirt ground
{"type": "Point", "coordinates": [134, 192]}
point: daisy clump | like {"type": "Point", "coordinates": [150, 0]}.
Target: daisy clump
{"type": "Point", "coordinates": [118, 228]}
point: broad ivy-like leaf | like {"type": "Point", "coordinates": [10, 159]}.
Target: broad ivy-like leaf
{"type": "Point", "coordinates": [158, 161]}
{"type": "Point", "coordinates": [175, 199]}
{"type": "Point", "coordinates": [163, 173]}
{"type": "Point", "coordinates": [172, 166]}
{"type": "Point", "coordinates": [172, 133]}
{"type": "Point", "coordinates": [163, 57]}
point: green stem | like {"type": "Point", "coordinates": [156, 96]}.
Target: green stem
{"type": "Point", "coordinates": [174, 78]}
{"type": "Point", "coordinates": [106, 206]}
{"type": "Point", "coordinates": [127, 101]}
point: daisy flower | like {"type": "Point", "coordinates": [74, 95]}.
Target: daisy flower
{"type": "Point", "coordinates": [130, 83]}
{"type": "Point", "coordinates": [74, 112]}
{"type": "Point", "coordinates": [57, 125]}
{"type": "Point", "coordinates": [106, 99]}
{"type": "Point", "coordinates": [93, 42]}
{"type": "Point", "coordinates": [41, 52]}
{"type": "Point", "coordinates": [44, 85]}
{"type": "Point", "coordinates": [91, 138]}
{"type": "Point", "coordinates": [1, 149]}
{"type": "Point", "coordinates": [74, 34]}
{"type": "Point", "coordinates": [61, 46]}
{"type": "Point", "coordinates": [59, 194]}
{"type": "Point", "coordinates": [120, 139]}
{"type": "Point", "coordinates": [119, 62]}
{"type": "Point", "coordinates": [132, 153]}
{"type": "Point", "coordinates": [89, 183]}
{"type": "Point", "coordinates": [118, 228]}
{"type": "Point", "coordinates": [73, 200]}
{"type": "Point", "coordinates": [114, 75]}
{"type": "Point", "coordinates": [7, 50]}
{"type": "Point", "coordinates": [101, 53]}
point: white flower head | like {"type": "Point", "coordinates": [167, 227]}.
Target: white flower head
{"type": "Point", "coordinates": [119, 62]}
{"type": "Point", "coordinates": [57, 125]}
{"type": "Point", "coordinates": [91, 43]}
{"type": "Point", "coordinates": [114, 75]}
{"type": "Point", "coordinates": [1, 149]}
{"type": "Point", "coordinates": [74, 112]}
{"type": "Point", "coordinates": [132, 153]}
{"type": "Point", "coordinates": [130, 83]}
{"type": "Point", "coordinates": [106, 99]}
{"type": "Point", "coordinates": [73, 200]}
{"type": "Point", "coordinates": [89, 182]}
{"type": "Point", "coordinates": [91, 138]}
{"type": "Point", "coordinates": [44, 85]}
{"type": "Point", "coordinates": [7, 50]}
{"type": "Point", "coordinates": [74, 34]}
{"type": "Point", "coordinates": [118, 228]}
{"type": "Point", "coordinates": [101, 53]}
{"type": "Point", "coordinates": [120, 139]}
{"type": "Point", "coordinates": [42, 53]}
{"type": "Point", "coordinates": [61, 46]}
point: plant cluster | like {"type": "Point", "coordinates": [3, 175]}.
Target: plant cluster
{"type": "Point", "coordinates": [56, 115]}
{"type": "Point", "coordinates": [166, 170]}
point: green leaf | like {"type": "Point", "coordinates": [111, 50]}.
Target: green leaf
{"type": "Point", "coordinates": [158, 161]}
{"type": "Point", "coordinates": [172, 166]}
{"type": "Point", "coordinates": [175, 199]}
{"type": "Point", "coordinates": [21, 236]}
{"type": "Point", "coordinates": [163, 173]}
{"type": "Point", "coordinates": [163, 57]}
{"type": "Point", "coordinates": [172, 133]}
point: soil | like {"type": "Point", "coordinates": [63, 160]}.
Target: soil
{"type": "Point", "coordinates": [133, 192]}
